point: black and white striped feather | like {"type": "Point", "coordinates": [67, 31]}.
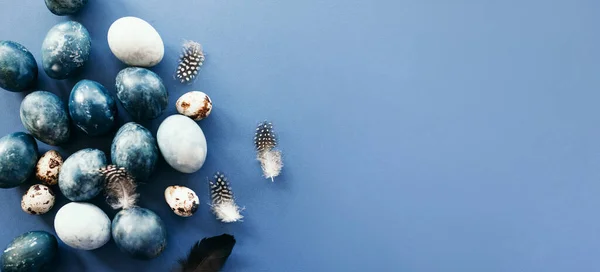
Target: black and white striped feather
{"type": "Point", "coordinates": [119, 186]}
{"type": "Point", "coordinates": [223, 203]}
{"type": "Point", "coordinates": [265, 142]}
{"type": "Point", "coordinates": [190, 61]}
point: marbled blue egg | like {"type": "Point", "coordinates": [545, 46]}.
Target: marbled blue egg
{"type": "Point", "coordinates": [65, 7]}
{"type": "Point", "coordinates": [139, 232]}
{"type": "Point", "coordinates": [43, 114]}
{"type": "Point", "coordinates": [18, 69]}
{"type": "Point", "coordinates": [30, 252]}
{"type": "Point", "coordinates": [65, 49]}
{"type": "Point", "coordinates": [142, 93]}
{"type": "Point", "coordinates": [92, 108]}
{"type": "Point", "coordinates": [79, 179]}
{"type": "Point", "coordinates": [18, 157]}
{"type": "Point", "coordinates": [135, 149]}
{"type": "Point", "coordinates": [182, 143]}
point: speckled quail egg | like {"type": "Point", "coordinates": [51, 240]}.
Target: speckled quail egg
{"type": "Point", "coordinates": [48, 167]}
{"type": "Point", "coordinates": [39, 199]}
{"type": "Point", "coordinates": [196, 105]}
{"type": "Point", "coordinates": [182, 200]}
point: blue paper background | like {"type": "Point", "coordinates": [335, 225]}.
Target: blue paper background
{"type": "Point", "coordinates": [423, 135]}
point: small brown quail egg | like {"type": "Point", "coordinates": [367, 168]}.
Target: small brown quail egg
{"type": "Point", "coordinates": [48, 167]}
{"type": "Point", "coordinates": [39, 199]}
{"type": "Point", "coordinates": [182, 200]}
{"type": "Point", "coordinates": [196, 105]}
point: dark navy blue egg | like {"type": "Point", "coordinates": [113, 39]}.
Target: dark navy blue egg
{"type": "Point", "coordinates": [18, 157]}
{"type": "Point", "coordinates": [65, 7]}
{"type": "Point", "coordinates": [92, 108]}
{"type": "Point", "coordinates": [31, 251]}
{"type": "Point", "coordinates": [139, 232]}
{"type": "Point", "coordinates": [134, 148]}
{"type": "Point", "coordinates": [18, 69]}
{"type": "Point", "coordinates": [79, 179]}
{"type": "Point", "coordinates": [141, 92]}
{"type": "Point", "coordinates": [65, 49]}
{"type": "Point", "coordinates": [43, 114]}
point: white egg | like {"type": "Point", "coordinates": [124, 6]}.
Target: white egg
{"type": "Point", "coordinates": [182, 200]}
{"type": "Point", "coordinates": [82, 226]}
{"type": "Point", "coordinates": [196, 105]}
{"type": "Point", "coordinates": [48, 167]}
{"type": "Point", "coordinates": [135, 42]}
{"type": "Point", "coordinates": [39, 199]}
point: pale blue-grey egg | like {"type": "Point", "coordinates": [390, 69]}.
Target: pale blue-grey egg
{"type": "Point", "coordinates": [18, 156]}
{"type": "Point", "coordinates": [18, 69]}
{"type": "Point", "coordinates": [141, 92]}
{"type": "Point", "coordinates": [135, 42]}
{"type": "Point", "coordinates": [82, 225]}
{"type": "Point", "coordinates": [92, 108]}
{"type": "Point", "coordinates": [134, 148]}
{"type": "Point", "coordinates": [65, 49]}
{"type": "Point", "coordinates": [31, 251]}
{"type": "Point", "coordinates": [139, 232]}
{"type": "Point", "coordinates": [43, 114]}
{"type": "Point", "coordinates": [79, 178]}
{"type": "Point", "coordinates": [182, 143]}
{"type": "Point", "coordinates": [65, 7]}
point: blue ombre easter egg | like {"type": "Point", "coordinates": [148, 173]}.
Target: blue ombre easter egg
{"type": "Point", "coordinates": [79, 179]}
{"type": "Point", "coordinates": [31, 251]}
{"type": "Point", "coordinates": [18, 69]}
{"type": "Point", "coordinates": [139, 232]}
{"type": "Point", "coordinates": [65, 7]}
{"type": "Point", "coordinates": [141, 92]}
{"type": "Point", "coordinates": [92, 108]}
{"type": "Point", "coordinates": [182, 143]}
{"type": "Point", "coordinates": [44, 116]}
{"type": "Point", "coordinates": [65, 49]}
{"type": "Point", "coordinates": [134, 149]}
{"type": "Point", "coordinates": [18, 157]}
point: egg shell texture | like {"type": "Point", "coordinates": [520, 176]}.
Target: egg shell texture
{"type": "Point", "coordinates": [31, 251]}
{"type": "Point", "coordinates": [65, 7]}
{"type": "Point", "coordinates": [43, 114]}
{"type": "Point", "coordinates": [18, 155]}
{"type": "Point", "coordinates": [82, 226]}
{"type": "Point", "coordinates": [134, 148]}
{"type": "Point", "coordinates": [182, 143]}
{"type": "Point", "coordinates": [92, 108]}
{"type": "Point", "coordinates": [196, 105]}
{"type": "Point", "coordinates": [65, 49]}
{"type": "Point", "coordinates": [139, 232]}
{"type": "Point", "coordinates": [39, 199]}
{"type": "Point", "coordinates": [141, 92]}
{"type": "Point", "coordinates": [182, 200]}
{"type": "Point", "coordinates": [48, 167]}
{"type": "Point", "coordinates": [79, 178]}
{"type": "Point", "coordinates": [135, 42]}
{"type": "Point", "coordinates": [18, 69]}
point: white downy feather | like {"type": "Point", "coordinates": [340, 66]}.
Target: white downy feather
{"type": "Point", "coordinates": [227, 211]}
{"type": "Point", "coordinates": [271, 163]}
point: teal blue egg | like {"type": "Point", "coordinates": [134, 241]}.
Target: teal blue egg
{"type": "Point", "coordinates": [18, 157]}
{"type": "Point", "coordinates": [65, 49]}
{"type": "Point", "coordinates": [30, 252]}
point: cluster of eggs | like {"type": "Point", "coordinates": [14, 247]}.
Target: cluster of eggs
{"type": "Point", "coordinates": [93, 110]}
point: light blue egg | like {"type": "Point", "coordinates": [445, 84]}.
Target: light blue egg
{"type": "Point", "coordinates": [43, 114]}
{"type": "Point", "coordinates": [82, 225]}
{"type": "Point", "coordinates": [65, 49]}
{"type": "Point", "coordinates": [139, 232]}
{"type": "Point", "coordinates": [65, 7]}
{"type": "Point", "coordinates": [182, 143]}
{"type": "Point", "coordinates": [92, 108]}
{"type": "Point", "coordinates": [18, 69]}
{"type": "Point", "coordinates": [142, 93]}
{"type": "Point", "coordinates": [18, 157]}
{"type": "Point", "coordinates": [134, 148]}
{"type": "Point", "coordinates": [31, 251]}
{"type": "Point", "coordinates": [79, 179]}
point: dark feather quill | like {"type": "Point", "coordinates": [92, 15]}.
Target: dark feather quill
{"type": "Point", "coordinates": [209, 255]}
